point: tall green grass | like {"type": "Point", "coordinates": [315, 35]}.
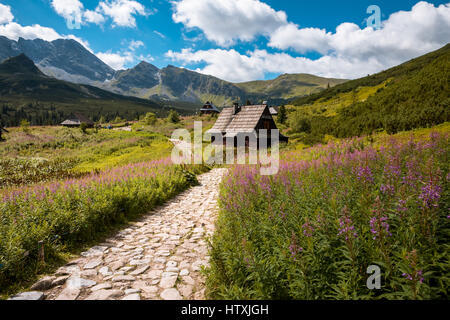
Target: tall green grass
{"type": "Point", "coordinates": [67, 213]}
{"type": "Point", "coordinates": [312, 230]}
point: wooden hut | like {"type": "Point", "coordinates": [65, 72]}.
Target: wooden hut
{"type": "Point", "coordinates": [76, 120]}
{"type": "Point", "coordinates": [209, 108]}
{"type": "Point", "coordinates": [244, 120]}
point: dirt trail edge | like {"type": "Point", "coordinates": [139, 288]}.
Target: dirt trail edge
{"type": "Point", "coordinates": [158, 257]}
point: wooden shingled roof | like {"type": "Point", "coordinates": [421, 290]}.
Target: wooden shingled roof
{"type": "Point", "coordinates": [209, 106]}
{"type": "Point", "coordinates": [273, 111]}
{"type": "Point", "coordinates": [71, 122]}
{"type": "Point", "coordinates": [223, 120]}
{"type": "Point", "coordinates": [77, 119]}
{"type": "Point", "coordinates": [84, 119]}
{"type": "Point", "coordinates": [245, 120]}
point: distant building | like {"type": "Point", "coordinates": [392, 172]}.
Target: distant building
{"type": "Point", "coordinates": [76, 120]}
{"type": "Point", "coordinates": [244, 120]}
{"type": "Point", "coordinates": [273, 110]}
{"type": "Point", "coordinates": [209, 108]}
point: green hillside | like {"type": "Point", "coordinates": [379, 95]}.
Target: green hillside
{"type": "Point", "coordinates": [289, 86]}
{"type": "Point", "coordinates": [412, 95]}
{"type": "Point", "coordinates": [26, 93]}
{"type": "Point", "coordinates": [400, 71]}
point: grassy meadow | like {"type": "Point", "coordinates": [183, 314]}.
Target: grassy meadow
{"type": "Point", "coordinates": [333, 210]}
{"type": "Point", "coordinates": [309, 232]}
{"type": "Point", "coordinates": [65, 188]}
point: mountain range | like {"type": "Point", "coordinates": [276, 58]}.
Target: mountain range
{"type": "Point", "coordinates": [64, 59]}
{"type": "Point", "coordinates": [27, 93]}
{"type": "Point", "coordinates": [413, 94]}
{"type": "Point", "coordinates": [68, 60]}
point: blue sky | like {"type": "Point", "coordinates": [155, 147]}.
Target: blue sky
{"type": "Point", "coordinates": [239, 40]}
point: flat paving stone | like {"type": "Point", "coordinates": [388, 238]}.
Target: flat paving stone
{"type": "Point", "coordinates": [43, 284]}
{"type": "Point", "coordinates": [60, 280]}
{"type": "Point", "coordinates": [93, 264]}
{"type": "Point", "coordinates": [102, 286]}
{"type": "Point", "coordinates": [134, 296]}
{"type": "Point", "coordinates": [31, 295]}
{"type": "Point", "coordinates": [139, 271]}
{"type": "Point", "coordinates": [68, 294]}
{"type": "Point", "coordinates": [123, 278]}
{"type": "Point", "coordinates": [104, 295]}
{"type": "Point", "coordinates": [171, 294]}
{"type": "Point", "coordinates": [168, 282]}
{"type": "Point", "coordinates": [78, 283]}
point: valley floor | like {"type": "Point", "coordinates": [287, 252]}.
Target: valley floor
{"type": "Point", "coordinates": [159, 257]}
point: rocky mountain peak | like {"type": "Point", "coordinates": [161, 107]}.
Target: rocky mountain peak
{"type": "Point", "coordinates": [19, 64]}
{"type": "Point", "coordinates": [65, 59]}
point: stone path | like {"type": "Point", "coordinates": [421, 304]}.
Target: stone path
{"type": "Point", "coordinates": [158, 257]}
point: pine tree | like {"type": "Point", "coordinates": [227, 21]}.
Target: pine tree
{"type": "Point", "coordinates": [282, 115]}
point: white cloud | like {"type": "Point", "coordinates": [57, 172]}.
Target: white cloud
{"type": "Point", "coordinates": [232, 66]}
{"type": "Point", "coordinates": [124, 58]}
{"type": "Point", "coordinates": [93, 17]}
{"type": "Point", "coordinates": [147, 58]}
{"type": "Point", "coordinates": [135, 45]}
{"type": "Point", "coordinates": [350, 52]}
{"type": "Point", "coordinates": [14, 31]}
{"type": "Point", "coordinates": [122, 11]}
{"type": "Point", "coordinates": [226, 21]}
{"type": "Point", "coordinates": [406, 34]}
{"type": "Point", "coordinates": [302, 40]}
{"type": "Point", "coordinates": [116, 60]}
{"type": "Point", "coordinates": [159, 34]}
{"type": "Point", "coordinates": [71, 10]}
{"type": "Point", "coordinates": [225, 64]}
{"type": "Point", "coordinates": [5, 14]}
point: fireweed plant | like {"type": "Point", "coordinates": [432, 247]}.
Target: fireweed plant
{"type": "Point", "coordinates": [66, 213]}
{"type": "Point", "coordinates": [315, 227]}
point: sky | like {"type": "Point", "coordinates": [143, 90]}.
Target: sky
{"type": "Point", "coordinates": [239, 40]}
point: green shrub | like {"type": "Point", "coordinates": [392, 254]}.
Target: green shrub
{"type": "Point", "coordinates": [83, 127]}
{"type": "Point", "coordinates": [25, 125]}
{"type": "Point", "coordinates": [173, 117]}
{"type": "Point", "coordinates": [150, 119]}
